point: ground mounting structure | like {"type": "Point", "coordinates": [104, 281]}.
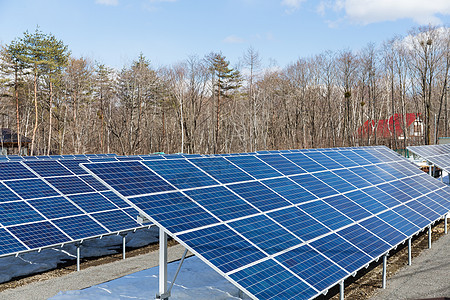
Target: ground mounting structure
{"type": "Point", "coordinates": [288, 224]}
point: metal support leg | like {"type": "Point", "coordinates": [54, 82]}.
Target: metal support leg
{"type": "Point", "coordinates": [162, 294]}
{"type": "Point", "coordinates": [123, 246]}
{"type": "Point", "coordinates": [341, 290]}
{"type": "Point", "coordinates": [240, 294]}
{"type": "Point", "coordinates": [445, 224]}
{"type": "Point", "coordinates": [409, 252]}
{"type": "Point", "coordinates": [78, 257]}
{"type": "Point", "coordinates": [383, 285]}
{"type": "Point", "coordinates": [429, 237]}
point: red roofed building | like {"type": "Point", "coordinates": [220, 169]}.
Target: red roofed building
{"type": "Point", "coordinates": [385, 128]}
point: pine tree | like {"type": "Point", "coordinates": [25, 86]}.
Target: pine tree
{"type": "Point", "coordinates": [226, 80]}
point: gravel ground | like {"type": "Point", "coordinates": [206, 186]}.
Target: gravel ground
{"type": "Point", "coordinates": [427, 277]}
{"type": "Point", "coordinates": [88, 276]}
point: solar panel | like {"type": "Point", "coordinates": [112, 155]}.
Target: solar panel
{"type": "Point", "coordinates": [51, 201]}
{"type": "Point", "coordinates": [341, 209]}
{"type": "Point", "coordinates": [438, 155]}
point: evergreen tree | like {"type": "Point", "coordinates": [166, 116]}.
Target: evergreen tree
{"type": "Point", "coordinates": [226, 80]}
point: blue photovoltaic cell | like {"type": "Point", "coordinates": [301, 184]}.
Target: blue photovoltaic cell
{"type": "Point", "coordinates": [393, 171]}
{"type": "Point", "coordinates": [311, 266]}
{"type": "Point", "coordinates": [336, 182]}
{"type": "Point", "coordinates": [74, 165]}
{"type": "Point", "coordinates": [359, 160]}
{"type": "Point", "coordinates": [424, 210]}
{"type": "Point", "coordinates": [130, 178]}
{"type": "Point", "coordinates": [221, 169]}
{"type": "Point", "coordinates": [341, 252]}
{"type": "Point", "coordinates": [181, 173]}
{"type": "Point", "coordinates": [314, 185]}
{"type": "Point", "coordinates": [366, 201]}
{"type": "Point", "coordinates": [341, 159]}
{"type": "Point", "coordinates": [325, 214]}
{"type": "Point", "coordinates": [115, 199]}
{"type": "Point", "coordinates": [367, 156]}
{"type": "Point", "coordinates": [70, 185]}
{"type": "Point", "coordinates": [381, 196]}
{"type": "Point", "coordinates": [304, 162]}
{"type": "Point", "coordinates": [259, 195]}
{"type": "Point", "coordinates": [430, 202]}
{"type": "Point", "coordinates": [380, 173]}
{"type": "Point", "coordinates": [97, 185]}
{"type": "Point", "coordinates": [387, 233]}
{"type": "Point", "coordinates": [352, 177]}
{"type": "Point", "coordinates": [174, 211]}
{"type": "Point", "coordinates": [412, 216]}
{"type": "Point", "coordinates": [17, 212]}
{"type": "Point", "coordinates": [324, 160]}
{"type": "Point", "coordinates": [348, 207]}
{"type": "Point", "coordinates": [254, 166]}
{"type": "Point", "coordinates": [92, 202]}
{"type": "Point", "coordinates": [289, 190]}
{"type": "Point", "coordinates": [255, 229]}
{"type": "Point", "coordinates": [55, 207]}
{"type": "Point", "coordinates": [9, 244]}
{"type": "Point", "coordinates": [14, 170]}
{"type": "Point", "coordinates": [115, 220]}
{"type": "Point", "coordinates": [222, 203]}
{"type": "Point", "coordinates": [299, 223]}
{"type": "Point", "coordinates": [6, 194]}
{"type": "Point", "coordinates": [80, 227]}
{"type": "Point", "coordinates": [221, 246]}
{"type": "Point", "coordinates": [398, 222]}
{"type": "Point", "coordinates": [37, 235]}
{"type": "Point", "coordinates": [269, 280]}
{"type": "Point", "coordinates": [31, 188]}
{"type": "Point", "coordinates": [281, 164]}
{"type": "Point", "coordinates": [48, 168]}
{"type": "Point", "coordinates": [367, 175]}
{"type": "Point", "coordinates": [364, 240]}
{"type": "Point", "coordinates": [394, 192]}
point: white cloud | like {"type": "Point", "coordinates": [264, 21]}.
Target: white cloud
{"type": "Point", "coordinates": [108, 2]}
{"type": "Point", "coordinates": [373, 11]}
{"type": "Point", "coordinates": [233, 39]}
{"type": "Point", "coordinates": [292, 5]}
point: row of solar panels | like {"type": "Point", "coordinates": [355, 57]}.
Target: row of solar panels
{"type": "Point", "coordinates": [283, 225]}
{"type": "Point", "coordinates": [50, 200]}
{"type": "Point", "coordinates": [435, 154]}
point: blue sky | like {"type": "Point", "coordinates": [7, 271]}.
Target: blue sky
{"type": "Point", "coordinates": [114, 32]}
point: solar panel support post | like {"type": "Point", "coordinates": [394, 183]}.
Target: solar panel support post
{"type": "Point", "coordinates": [123, 245]}
{"type": "Point", "coordinates": [163, 294]}
{"type": "Point", "coordinates": [429, 236]}
{"type": "Point", "coordinates": [409, 252]}
{"type": "Point", "coordinates": [178, 270]}
{"type": "Point", "coordinates": [341, 290]}
{"type": "Point", "coordinates": [383, 285]}
{"type": "Point", "coordinates": [445, 224]}
{"type": "Point", "coordinates": [240, 294]}
{"type": "Point", "coordinates": [78, 256]}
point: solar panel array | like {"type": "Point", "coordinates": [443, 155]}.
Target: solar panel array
{"type": "Point", "coordinates": [436, 154]}
{"type": "Point", "coordinates": [283, 225]}
{"type": "Point", "coordinates": [52, 202]}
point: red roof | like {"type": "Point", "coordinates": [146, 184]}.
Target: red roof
{"type": "Point", "coordinates": [385, 128]}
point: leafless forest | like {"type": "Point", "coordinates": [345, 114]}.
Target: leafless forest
{"type": "Point", "coordinates": [69, 104]}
